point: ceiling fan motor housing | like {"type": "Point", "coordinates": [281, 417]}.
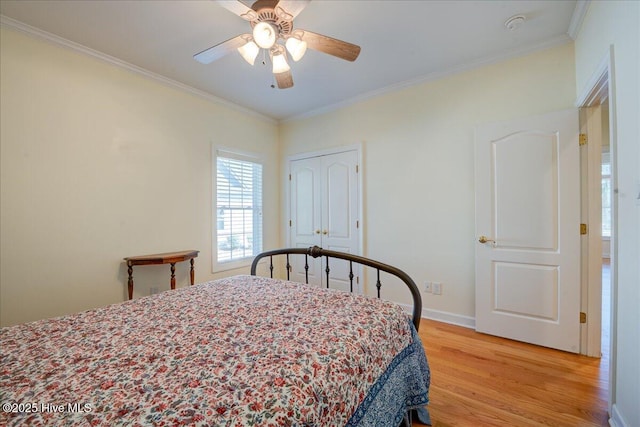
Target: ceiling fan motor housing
{"type": "Point", "coordinates": [267, 13]}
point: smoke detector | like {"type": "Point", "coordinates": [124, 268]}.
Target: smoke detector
{"type": "Point", "coordinates": [514, 22]}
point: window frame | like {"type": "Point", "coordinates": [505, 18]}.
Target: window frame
{"type": "Point", "coordinates": [242, 156]}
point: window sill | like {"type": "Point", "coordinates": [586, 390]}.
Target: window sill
{"type": "Point", "coordinates": [243, 263]}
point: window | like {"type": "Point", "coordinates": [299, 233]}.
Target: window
{"type": "Point", "coordinates": [606, 195]}
{"type": "Point", "coordinates": [238, 209]}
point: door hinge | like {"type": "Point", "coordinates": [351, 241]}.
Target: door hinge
{"type": "Point", "coordinates": [358, 223]}
{"type": "Point", "coordinates": [357, 168]}
{"type": "Point", "coordinates": [583, 139]}
{"type": "Point", "coordinates": [289, 177]}
{"type": "Point", "coordinates": [290, 223]}
{"type": "Point", "coordinates": [583, 317]}
{"type": "Point", "coordinates": [583, 229]}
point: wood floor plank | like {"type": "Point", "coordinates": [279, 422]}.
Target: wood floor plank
{"type": "Point", "coordinates": [482, 380]}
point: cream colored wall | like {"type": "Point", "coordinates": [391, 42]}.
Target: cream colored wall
{"type": "Point", "coordinates": [418, 163]}
{"type": "Point", "coordinates": [617, 24]}
{"type": "Point", "coordinates": [99, 163]}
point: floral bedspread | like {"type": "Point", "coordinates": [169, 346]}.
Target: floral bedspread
{"type": "Point", "coordinates": [242, 351]}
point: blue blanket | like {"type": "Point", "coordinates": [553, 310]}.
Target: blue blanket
{"type": "Point", "coordinates": [404, 387]}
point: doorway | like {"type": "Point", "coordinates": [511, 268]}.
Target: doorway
{"type": "Point", "coordinates": [606, 194]}
{"type": "Point", "coordinates": [597, 215]}
{"type": "Point", "coordinates": [600, 93]}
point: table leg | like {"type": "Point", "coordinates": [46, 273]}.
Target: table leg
{"type": "Point", "coordinates": [130, 282]}
{"type": "Point", "coordinates": [192, 274]}
{"type": "Point", "coordinates": [173, 275]}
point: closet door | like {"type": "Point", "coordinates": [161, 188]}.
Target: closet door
{"type": "Point", "coordinates": [325, 212]}
{"type": "Point", "coordinates": [305, 215]}
{"type": "Point", "coordinates": [340, 214]}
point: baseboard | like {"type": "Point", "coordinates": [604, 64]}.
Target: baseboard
{"type": "Point", "coordinates": [452, 318]}
{"type": "Point", "coordinates": [616, 419]}
{"type": "Point", "coordinates": [444, 316]}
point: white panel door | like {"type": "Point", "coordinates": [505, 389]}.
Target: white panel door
{"type": "Point", "coordinates": [306, 216]}
{"type": "Point", "coordinates": [340, 214]}
{"type": "Point", "coordinates": [527, 230]}
{"type": "Point", "coordinates": [324, 200]}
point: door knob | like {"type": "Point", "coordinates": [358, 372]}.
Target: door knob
{"type": "Point", "coordinates": [325, 232]}
{"type": "Point", "coordinates": [317, 231]}
{"type": "Point", "coordinates": [485, 239]}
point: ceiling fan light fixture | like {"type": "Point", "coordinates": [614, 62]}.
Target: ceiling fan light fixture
{"type": "Point", "coordinates": [249, 51]}
{"type": "Point", "coordinates": [272, 30]}
{"type": "Point", "coordinates": [296, 47]}
{"type": "Point", "coordinates": [279, 59]}
{"type": "Point", "coordinates": [265, 35]}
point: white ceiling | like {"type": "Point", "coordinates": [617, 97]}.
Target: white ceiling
{"type": "Point", "coordinates": [403, 43]}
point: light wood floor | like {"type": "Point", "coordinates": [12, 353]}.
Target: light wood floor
{"type": "Point", "coordinates": [481, 380]}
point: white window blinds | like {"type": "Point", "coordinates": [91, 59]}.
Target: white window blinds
{"type": "Point", "coordinates": [238, 207]}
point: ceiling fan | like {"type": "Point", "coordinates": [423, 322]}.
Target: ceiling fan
{"type": "Point", "coordinates": [272, 21]}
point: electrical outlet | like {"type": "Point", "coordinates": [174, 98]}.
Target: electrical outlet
{"type": "Point", "coordinates": [153, 291]}
{"type": "Point", "coordinates": [437, 288]}
{"type": "Point", "coordinates": [427, 287]}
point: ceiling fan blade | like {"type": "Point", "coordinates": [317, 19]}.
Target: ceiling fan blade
{"type": "Point", "coordinates": [284, 80]}
{"type": "Point", "coordinates": [239, 8]}
{"type": "Point", "coordinates": [207, 56]}
{"type": "Point", "coordinates": [331, 46]}
{"type": "Point", "coordinates": [289, 9]}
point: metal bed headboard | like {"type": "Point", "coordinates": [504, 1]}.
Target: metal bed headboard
{"type": "Point", "coordinates": [316, 251]}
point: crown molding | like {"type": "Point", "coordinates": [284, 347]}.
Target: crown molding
{"type": "Point", "coordinates": [510, 54]}
{"type": "Point", "coordinates": [576, 22]}
{"type": "Point", "coordinates": [19, 26]}
{"type": "Point", "coordinates": [578, 18]}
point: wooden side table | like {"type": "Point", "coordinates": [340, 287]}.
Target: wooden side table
{"type": "Point", "coordinates": [166, 258]}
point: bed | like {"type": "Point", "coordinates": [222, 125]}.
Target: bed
{"type": "Point", "coordinates": [239, 351]}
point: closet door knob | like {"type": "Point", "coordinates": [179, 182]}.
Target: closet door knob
{"type": "Point", "coordinates": [485, 239]}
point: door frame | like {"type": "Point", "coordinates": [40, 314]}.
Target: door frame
{"type": "Point", "coordinates": [328, 151]}
{"type": "Point", "coordinates": [601, 85]}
